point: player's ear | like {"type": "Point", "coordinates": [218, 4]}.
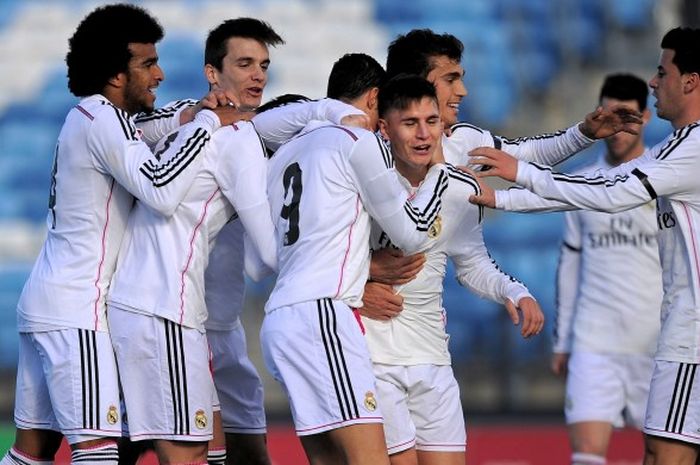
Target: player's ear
{"type": "Point", "coordinates": [211, 74]}
{"type": "Point", "coordinates": [373, 98]}
{"type": "Point", "coordinates": [118, 80]}
{"type": "Point", "coordinates": [383, 128]}
{"type": "Point", "coordinates": [691, 81]}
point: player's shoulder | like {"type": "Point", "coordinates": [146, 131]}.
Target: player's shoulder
{"type": "Point", "coordinates": [463, 128]}
{"type": "Point", "coordinates": [462, 180]}
{"type": "Point", "coordinates": [107, 118]}
{"type": "Point", "coordinates": [238, 136]}
{"type": "Point", "coordinates": [680, 144]}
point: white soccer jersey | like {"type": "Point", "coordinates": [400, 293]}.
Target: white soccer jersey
{"type": "Point", "coordinates": [162, 261]}
{"type": "Point", "coordinates": [99, 163]}
{"type": "Point", "coordinates": [548, 149]}
{"type": "Point", "coordinates": [667, 173]}
{"type": "Point", "coordinates": [609, 281]}
{"type": "Point", "coordinates": [323, 186]}
{"type": "Point", "coordinates": [417, 335]}
{"type": "Point", "coordinates": [224, 282]}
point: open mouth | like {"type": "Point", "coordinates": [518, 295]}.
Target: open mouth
{"type": "Point", "coordinates": [422, 149]}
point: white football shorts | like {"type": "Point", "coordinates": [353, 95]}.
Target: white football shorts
{"type": "Point", "coordinates": [608, 387]}
{"type": "Point", "coordinates": [165, 375]}
{"type": "Point", "coordinates": [673, 410]}
{"type": "Point", "coordinates": [67, 381]}
{"type": "Point", "coordinates": [421, 407]}
{"type": "Point", "coordinates": [318, 353]}
{"type": "Point", "coordinates": [237, 382]}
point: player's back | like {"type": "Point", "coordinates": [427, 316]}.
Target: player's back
{"type": "Point", "coordinates": [322, 227]}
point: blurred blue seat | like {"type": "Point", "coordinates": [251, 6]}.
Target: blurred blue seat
{"type": "Point", "coordinates": [394, 11]}
{"type": "Point", "coordinates": [632, 14]}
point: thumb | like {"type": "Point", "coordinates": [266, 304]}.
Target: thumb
{"type": "Point", "coordinates": [512, 312]}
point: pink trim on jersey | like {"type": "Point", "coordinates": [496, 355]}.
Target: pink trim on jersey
{"type": "Point", "coordinates": [692, 240]}
{"type": "Point", "coordinates": [85, 112]}
{"type": "Point", "coordinates": [347, 250]}
{"type": "Point", "coordinates": [350, 133]}
{"type": "Point", "coordinates": [346, 130]}
{"type": "Point", "coordinates": [411, 443]}
{"type": "Point", "coordinates": [102, 255]}
{"type": "Point", "coordinates": [189, 258]}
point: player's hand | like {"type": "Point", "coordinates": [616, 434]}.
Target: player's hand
{"type": "Point", "coordinates": [532, 316]}
{"type": "Point", "coordinates": [213, 99]}
{"type": "Point", "coordinates": [390, 266]}
{"type": "Point", "coordinates": [496, 163]}
{"type": "Point", "coordinates": [559, 364]}
{"type": "Point", "coordinates": [380, 302]}
{"type": "Point", "coordinates": [604, 122]}
{"type": "Point", "coordinates": [438, 155]}
{"type": "Point", "coordinates": [487, 198]}
{"type": "Point", "coordinates": [358, 121]}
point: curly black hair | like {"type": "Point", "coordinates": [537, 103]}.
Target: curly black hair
{"type": "Point", "coordinates": [99, 47]}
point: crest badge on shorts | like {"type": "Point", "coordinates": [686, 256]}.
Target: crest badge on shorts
{"type": "Point", "coordinates": [200, 419]}
{"type": "Point", "coordinates": [370, 401]}
{"type": "Point", "coordinates": [436, 228]}
{"type": "Point", "coordinates": [112, 415]}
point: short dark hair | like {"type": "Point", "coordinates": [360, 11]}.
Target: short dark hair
{"type": "Point", "coordinates": [685, 41]}
{"type": "Point", "coordinates": [354, 74]}
{"type": "Point", "coordinates": [248, 28]}
{"type": "Point", "coordinates": [413, 52]}
{"type": "Point", "coordinates": [99, 47]}
{"type": "Point", "coordinates": [282, 100]}
{"type": "Point", "coordinates": [625, 86]}
{"type": "Point", "coordinates": [403, 90]}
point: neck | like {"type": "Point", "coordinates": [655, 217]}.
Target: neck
{"type": "Point", "coordinates": [414, 175]}
{"type": "Point", "coordinates": [634, 152]}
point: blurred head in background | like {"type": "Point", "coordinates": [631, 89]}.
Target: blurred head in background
{"type": "Point", "coordinates": [631, 91]}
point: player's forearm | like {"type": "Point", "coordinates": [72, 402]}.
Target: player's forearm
{"type": "Point", "coordinates": [548, 149]}
{"type": "Point", "coordinates": [523, 200]}
{"type": "Point", "coordinates": [598, 193]}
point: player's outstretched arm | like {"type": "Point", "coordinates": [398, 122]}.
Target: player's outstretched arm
{"type": "Point", "coordinates": [162, 179]}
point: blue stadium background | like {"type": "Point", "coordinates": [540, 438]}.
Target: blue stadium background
{"type": "Point", "coordinates": [532, 66]}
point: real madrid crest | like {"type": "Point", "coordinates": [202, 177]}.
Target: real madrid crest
{"type": "Point", "coordinates": [370, 401]}
{"type": "Point", "coordinates": [112, 415]}
{"type": "Point", "coordinates": [200, 419]}
{"type": "Point", "coordinates": [436, 228]}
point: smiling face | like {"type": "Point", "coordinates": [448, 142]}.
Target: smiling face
{"type": "Point", "coordinates": [446, 75]}
{"type": "Point", "coordinates": [142, 77]}
{"type": "Point", "coordinates": [243, 71]}
{"type": "Point", "coordinates": [414, 134]}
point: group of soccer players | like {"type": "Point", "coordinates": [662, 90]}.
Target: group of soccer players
{"type": "Point", "coordinates": [129, 322]}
